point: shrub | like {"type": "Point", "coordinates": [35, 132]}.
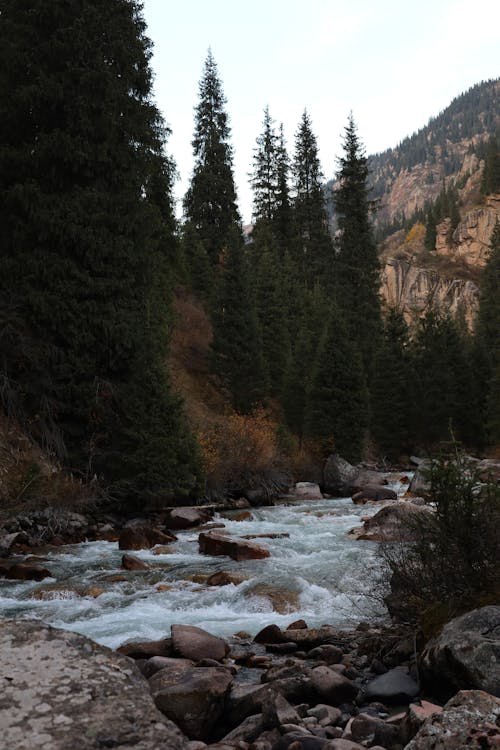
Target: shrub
{"type": "Point", "coordinates": [453, 564]}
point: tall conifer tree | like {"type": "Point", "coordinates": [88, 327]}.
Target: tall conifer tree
{"type": "Point", "coordinates": [87, 243]}
{"type": "Point", "coordinates": [210, 202]}
{"type": "Point", "coordinates": [357, 261]}
{"type": "Point", "coordinates": [314, 253]}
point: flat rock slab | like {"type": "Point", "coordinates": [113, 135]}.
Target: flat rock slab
{"type": "Point", "coordinates": [234, 547]}
{"type": "Point", "coordinates": [62, 691]}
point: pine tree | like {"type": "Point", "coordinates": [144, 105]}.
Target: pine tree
{"type": "Point", "coordinates": [87, 243]}
{"type": "Point", "coordinates": [283, 220]}
{"type": "Point", "coordinates": [487, 344]}
{"type": "Point", "coordinates": [357, 262]}
{"type": "Point", "coordinates": [264, 178]}
{"type": "Point", "coordinates": [210, 202]}
{"type": "Point", "coordinates": [315, 253]}
{"type": "Point", "coordinates": [336, 412]}
{"type": "Point", "coordinates": [237, 347]}
{"type": "Point", "coordinates": [443, 381]}
{"type": "Point", "coordinates": [490, 182]}
{"type": "Point", "coordinates": [391, 389]}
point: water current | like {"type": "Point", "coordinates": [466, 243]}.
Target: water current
{"type": "Point", "coordinates": [317, 572]}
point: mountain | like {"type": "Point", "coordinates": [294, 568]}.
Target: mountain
{"type": "Point", "coordinates": [444, 158]}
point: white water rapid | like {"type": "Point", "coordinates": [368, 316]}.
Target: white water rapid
{"type": "Point", "coordinates": [317, 573]}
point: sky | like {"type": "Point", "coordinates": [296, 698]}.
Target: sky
{"type": "Point", "coordinates": [393, 63]}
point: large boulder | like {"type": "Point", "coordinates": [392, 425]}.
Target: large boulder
{"type": "Point", "coordinates": [332, 687]}
{"type": "Point", "coordinates": [342, 478]}
{"type": "Point", "coordinates": [190, 642]}
{"type": "Point", "coordinates": [471, 719]}
{"type": "Point", "coordinates": [211, 543]}
{"type": "Point", "coordinates": [393, 523]}
{"type": "Point", "coordinates": [187, 518]}
{"type": "Point", "coordinates": [27, 572]}
{"type": "Point", "coordinates": [375, 492]}
{"type": "Point", "coordinates": [307, 491]}
{"type": "Point", "coordinates": [420, 483]}
{"type": "Point", "coordinates": [61, 690]}
{"type": "Point", "coordinates": [192, 698]}
{"type": "Point", "coordinates": [143, 537]}
{"type": "Point", "coordinates": [489, 470]}
{"type": "Point", "coordinates": [465, 655]}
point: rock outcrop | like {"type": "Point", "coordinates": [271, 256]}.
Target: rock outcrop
{"type": "Point", "coordinates": [62, 691]}
{"type": "Point", "coordinates": [465, 655]}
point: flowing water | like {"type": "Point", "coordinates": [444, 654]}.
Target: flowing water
{"type": "Point", "coordinates": [317, 572]}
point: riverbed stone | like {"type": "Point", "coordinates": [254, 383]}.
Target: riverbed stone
{"type": "Point", "coordinates": [157, 663]}
{"type": "Point", "coordinates": [393, 523]}
{"type": "Point", "coordinates": [212, 543]}
{"type": "Point", "coordinates": [225, 578]}
{"type": "Point", "coordinates": [394, 687]}
{"type": "Point", "coordinates": [194, 643]}
{"type": "Point", "coordinates": [192, 698]}
{"type": "Point", "coordinates": [146, 649]}
{"type": "Point", "coordinates": [62, 691]}
{"type": "Point", "coordinates": [332, 687]}
{"type": "Point", "coordinates": [327, 652]}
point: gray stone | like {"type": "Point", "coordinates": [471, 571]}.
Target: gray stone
{"type": "Point", "coordinates": [192, 698]}
{"type": "Point", "coordinates": [376, 492]}
{"type": "Point", "coordinates": [465, 655]}
{"type": "Point", "coordinates": [394, 687]}
{"type": "Point", "coordinates": [62, 691]}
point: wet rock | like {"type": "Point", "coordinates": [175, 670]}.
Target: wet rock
{"type": "Point", "coordinates": [226, 577]}
{"type": "Point", "coordinates": [244, 700]}
{"type": "Point", "coordinates": [374, 492]}
{"type": "Point", "coordinates": [270, 634]}
{"type": "Point", "coordinates": [187, 518]}
{"type": "Point", "coordinates": [282, 600]}
{"type": "Point", "coordinates": [212, 543]}
{"type": "Point", "coordinates": [27, 572]}
{"type": "Point", "coordinates": [394, 687]}
{"type": "Point", "coordinates": [195, 643]}
{"type": "Point", "coordinates": [146, 649]}
{"type": "Point", "coordinates": [471, 719]}
{"type": "Point", "coordinates": [332, 687]}
{"type": "Point", "coordinates": [7, 541]}
{"type": "Point", "coordinates": [143, 537]}
{"type": "Point", "coordinates": [131, 562]}
{"type": "Point", "coordinates": [63, 691]}
{"type": "Point", "coordinates": [278, 711]}
{"type": "Point", "coordinates": [192, 698]}
{"type": "Point", "coordinates": [466, 654]}
{"type": "Point", "coordinates": [393, 523]}
{"type": "Point", "coordinates": [307, 491]}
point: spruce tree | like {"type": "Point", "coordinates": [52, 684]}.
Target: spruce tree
{"type": "Point", "coordinates": [264, 177]}
{"type": "Point", "coordinates": [490, 182]}
{"type": "Point", "coordinates": [336, 412]}
{"type": "Point", "coordinates": [314, 252]}
{"type": "Point", "coordinates": [237, 347]}
{"type": "Point", "coordinates": [357, 262]}
{"type": "Point", "coordinates": [391, 389]}
{"type": "Point", "coordinates": [87, 243]}
{"type": "Point", "coordinates": [487, 344]}
{"type": "Point", "coordinates": [210, 202]}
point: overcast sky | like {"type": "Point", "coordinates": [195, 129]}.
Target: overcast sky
{"type": "Point", "coordinates": [394, 63]}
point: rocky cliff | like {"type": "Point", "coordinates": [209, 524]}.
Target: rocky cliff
{"type": "Point", "coordinates": [414, 279]}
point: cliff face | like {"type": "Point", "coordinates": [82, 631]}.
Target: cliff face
{"type": "Point", "coordinates": [413, 279]}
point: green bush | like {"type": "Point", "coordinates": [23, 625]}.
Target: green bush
{"type": "Point", "coordinates": [454, 563]}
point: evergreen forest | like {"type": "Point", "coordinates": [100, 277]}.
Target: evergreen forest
{"type": "Point", "coordinates": [301, 352]}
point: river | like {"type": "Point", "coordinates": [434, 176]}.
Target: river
{"type": "Point", "coordinates": [317, 573]}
